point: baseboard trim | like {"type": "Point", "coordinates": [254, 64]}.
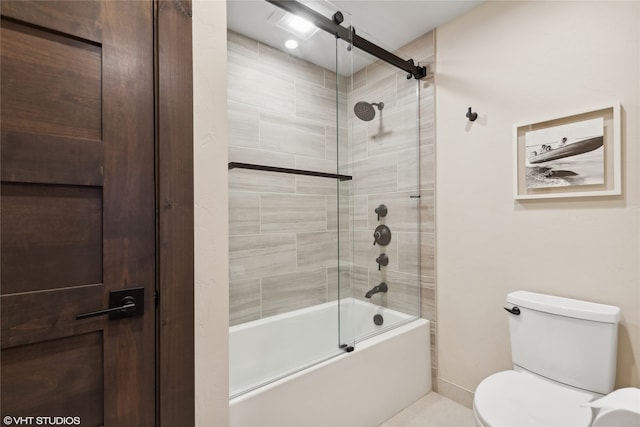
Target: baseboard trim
{"type": "Point", "coordinates": [455, 392]}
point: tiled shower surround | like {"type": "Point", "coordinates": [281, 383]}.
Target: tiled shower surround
{"type": "Point", "coordinates": [284, 229]}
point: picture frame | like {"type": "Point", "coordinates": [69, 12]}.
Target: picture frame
{"type": "Point", "coordinates": [575, 155]}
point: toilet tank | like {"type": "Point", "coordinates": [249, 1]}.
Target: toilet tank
{"type": "Point", "coordinates": [570, 341]}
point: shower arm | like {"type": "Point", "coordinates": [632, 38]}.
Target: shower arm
{"type": "Point", "coordinates": [349, 35]}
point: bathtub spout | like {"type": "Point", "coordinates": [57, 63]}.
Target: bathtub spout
{"type": "Point", "coordinates": [382, 287]}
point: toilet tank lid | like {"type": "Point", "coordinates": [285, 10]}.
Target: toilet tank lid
{"type": "Point", "coordinates": [565, 306]}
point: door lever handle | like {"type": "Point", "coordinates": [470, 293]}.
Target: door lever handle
{"type": "Point", "coordinates": [128, 304]}
{"type": "Point", "coordinates": [122, 303]}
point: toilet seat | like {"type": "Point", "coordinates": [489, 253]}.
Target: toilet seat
{"type": "Point", "coordinates": [510, 398]}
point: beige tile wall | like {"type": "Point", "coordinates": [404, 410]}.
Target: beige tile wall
{"type": "Point", "coordinates": [284, 229]}
{"type": "Point", "coordinates": [283, 241]}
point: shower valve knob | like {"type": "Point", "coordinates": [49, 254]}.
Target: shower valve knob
{"type": "Point", "coordinates": [381, 211]}
{"type": "Point", "coordinates": [382, 235]}
{"type": "Point", "coordinates": [382, 260]}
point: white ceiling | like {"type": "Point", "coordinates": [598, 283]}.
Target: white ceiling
{"type": "Point", "coordinates": [390, 24]}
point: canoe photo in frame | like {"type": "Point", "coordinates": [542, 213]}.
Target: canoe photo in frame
{"type": "Point", "coordinates": [566, 155]}
{"type": "Point", "coordinates": [571, 155]}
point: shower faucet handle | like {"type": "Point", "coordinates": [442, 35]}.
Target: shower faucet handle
{"type": "Point", "coordinates": [382, 260]}
{"type": "Point", "coordinates": [382, 235]}
{"type": "Point", "coordinates": [381, 211]}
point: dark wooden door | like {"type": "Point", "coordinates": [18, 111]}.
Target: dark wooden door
{"type": "Point", "coordinates": [77, 211]}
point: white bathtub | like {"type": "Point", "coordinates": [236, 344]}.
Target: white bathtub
{"type": "Point", "coordinates": [383, 375]}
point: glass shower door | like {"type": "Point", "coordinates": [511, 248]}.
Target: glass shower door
{"type": "Point", "coordinates": [345, 190]}
{"type": "Point", "coordinates": [385, 153]}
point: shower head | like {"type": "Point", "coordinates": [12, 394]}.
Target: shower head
{"type": "Point", "coordinates": [365, 111]}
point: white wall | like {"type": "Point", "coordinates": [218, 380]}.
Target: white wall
{"type": "Point", "coordinates": [511, 61]}
{"type": "Point", "coordinates": [514, 62]}
{"type": "Point", "coordinates": [211, 213]}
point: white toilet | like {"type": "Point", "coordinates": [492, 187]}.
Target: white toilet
{"type": "Point", "coordinates": [564, 356]}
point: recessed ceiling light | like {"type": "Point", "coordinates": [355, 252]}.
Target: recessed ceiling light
{"type": "Point", "coordinates": [291, 44]}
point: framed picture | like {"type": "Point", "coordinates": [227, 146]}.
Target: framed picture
{"type": "Point", "coordinates": [577, 155]}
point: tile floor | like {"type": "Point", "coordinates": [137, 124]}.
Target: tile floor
{"type": "Point", "coordinates": [433, 410]}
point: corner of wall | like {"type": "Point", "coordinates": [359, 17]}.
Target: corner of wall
{"type": "Point", "coordinates": [211, 214]}
{"type": "Point", "coordinates": [455, 392]}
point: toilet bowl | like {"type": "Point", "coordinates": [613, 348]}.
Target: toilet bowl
{"type": "Point", "coordinates": [564, 358]}
{"type": "Point", "coordinates": [518, 399]}
{"type": "Point", "coordinates": [527, 401]}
